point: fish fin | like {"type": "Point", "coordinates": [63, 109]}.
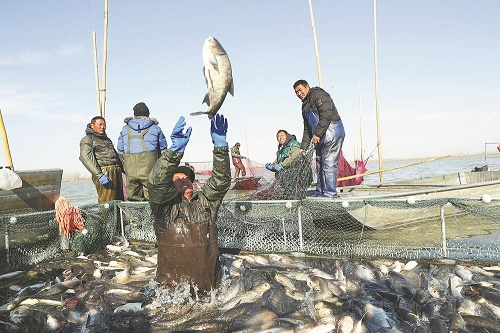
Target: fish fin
{"type": "Point", "coordinates": [213, 61]}
{"type": "Point", "coordinates": [198, 113]}
{"type": "Point", "coordinates": [206, 100]}
{"type": "Point", "coordinates": [231, 88]}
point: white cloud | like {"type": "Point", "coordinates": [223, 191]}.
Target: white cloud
{"type": "Point", "coordinates": [39, 57]}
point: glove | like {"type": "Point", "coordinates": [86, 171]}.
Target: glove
{"type": "Point", "coordinates": [218, 130]}
{"type": "Point", "coordinates": [180, 139]}
{"type": "Point", "coordinates": [269, 166]}
{"type": "Point", "coordinates": [278, 168]}
{"type": "Point", "coordinates": [103, 180]}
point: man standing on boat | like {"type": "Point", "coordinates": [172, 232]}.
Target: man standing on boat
{"type": "Point", "coordinates": [322, 127]}
{"type": "Point", "coordinates": [140, 142]}
{"type": "Point", "coordinates": [185, 220]}
{"type": "Point", "coordinates": [98, 155]}
{"type": "Point", "coordinates": [238, 164]}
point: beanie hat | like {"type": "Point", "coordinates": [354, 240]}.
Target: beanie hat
{"type": "Point", "coordinates": [187, 171]}
{"type": "Point", "coordinates": [140, 109]}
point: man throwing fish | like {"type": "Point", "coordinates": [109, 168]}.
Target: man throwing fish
{"type": "Point", "coordinates": [185, 220]}
{"type": "Point", "coordinates": [322, 127]}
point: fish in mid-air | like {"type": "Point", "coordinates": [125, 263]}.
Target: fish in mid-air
{"type": "Point", "coordinates": [218, 76]}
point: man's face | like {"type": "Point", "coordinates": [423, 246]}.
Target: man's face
{"type": "Point", "coordinates": [99, 126]}
{"type": "Point", "coordinates": [182, 183]}
{"type": "Point", "coordinates": [301, 91]}
{"type": "Point", "coordinates": [281, 137]}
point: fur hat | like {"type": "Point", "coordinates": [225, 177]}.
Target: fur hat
{"type": "Point", "coordinates": [140, 109]}
{"type": "Point", "coordinates": [185, 170]}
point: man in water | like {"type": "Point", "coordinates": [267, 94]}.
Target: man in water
{"type": "Point", "coordinates": [98, 155]}
{"type": "Point", "coordinates": [185, 220]}
{"type": "Point", "coordinates": [322, 127]}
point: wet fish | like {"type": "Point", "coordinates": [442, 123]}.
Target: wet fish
{"type": "Point", "coordinates": [59, 287]}
{"type": "Point", "coordinates": [218, 76]}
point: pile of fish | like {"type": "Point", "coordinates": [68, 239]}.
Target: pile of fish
{"type": "Point", "coordinates": [115, 291]}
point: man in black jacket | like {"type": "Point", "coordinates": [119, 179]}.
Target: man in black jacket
{"type": "Point", "coordinates": [185, 220]}
{"type": "Point", "coordinates": [322, 127]}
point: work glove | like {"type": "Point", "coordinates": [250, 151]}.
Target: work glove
{"type": "Point", "coordinates": [180, 139]}
{"type": "Point", "coordinates": [103, 180]}
{"type": "Point", "coordinates": [278, 167]}
{"type": "Point", "coordinates": [269, 166]}
{"type": "Point", "coordinates": [218, 130]}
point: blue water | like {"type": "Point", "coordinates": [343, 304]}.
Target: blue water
{"type": "Point", "coordinates": [83, 192]}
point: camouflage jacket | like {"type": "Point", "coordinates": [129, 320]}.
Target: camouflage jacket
{"type": "Point", "coordinates": [167, 204]}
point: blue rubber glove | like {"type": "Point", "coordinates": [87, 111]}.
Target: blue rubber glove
{"type": "Point", "coordinates": [218, 130]}
{"type": "Point", "coordinates": [103, 180]}
{"type": "Point", "coordinates": [269, 166]}
{"type": "Point", "coordinates": [278, 167]}
{"type": "Point", "coordinates": [180, 139]}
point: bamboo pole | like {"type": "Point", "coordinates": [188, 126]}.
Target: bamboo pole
{"type": "Point", "coordinates": [396, 167]}
{"type": "Point", "coordinates": [97, 92]}
{"type": "Point", "coordinates": [379, 141]}
{"type": "Point", "coordinates": [315, 44]}
{"type": "Point", "coordinates": [6, 149]}
{"type": "Point", "coordinates": [104, 59]}
{"type": "Point", "coordinates": [360, 124]}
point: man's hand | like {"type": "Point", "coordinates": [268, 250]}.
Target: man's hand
{"type": "Point", "coordinates": [103, 180]}
{"type": "Point", "coordinates": [180, 139]}
{"type": "Point", "coordinates": [218, 130]}
{"type": "Point", "coordinates": [315, 139]}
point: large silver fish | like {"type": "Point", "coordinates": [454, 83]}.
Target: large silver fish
{"type": "Point", "coordinates": [218, 76]}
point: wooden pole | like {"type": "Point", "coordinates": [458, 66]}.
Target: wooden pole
{"type": "Point", "coordinates": [104, 59]}
{"type": "Point", "coordinates": [96, 67]}
{"type": "Point", "coordinates": [379, 141]}
{"type": "Point", "coordinates": [6, 149]}
{"type": "Point", "coordinates": [315, 44]}
{"type": "Point", "coordinates": [360, 123]}
{"type": "Point", "coordinates": [396, 167]}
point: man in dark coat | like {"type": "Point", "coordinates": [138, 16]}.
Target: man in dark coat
{"type": "Point", "coordinates": [98, 155]}
{"type": "Point", "coordinates": [322, 127]}
{"type": "Point", "coordinates": [185, 220]}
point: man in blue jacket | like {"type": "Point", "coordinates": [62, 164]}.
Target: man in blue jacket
{"type": "Point", "coordinates": [140, 143]}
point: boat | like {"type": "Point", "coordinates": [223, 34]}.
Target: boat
{"type": "Point", "coordinates": [400, 203]}
{"type": "Point", "coordinates": [246, 183]}
{"type": "Point", "coordinates": [39, 192]}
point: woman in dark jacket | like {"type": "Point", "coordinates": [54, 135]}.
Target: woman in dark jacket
{"type": "Point", "coordinates": [288, 149]}
{"type": "Point", "coordinates": [185, 220]}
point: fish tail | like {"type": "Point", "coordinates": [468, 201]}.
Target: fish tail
{"type": "Point", "coordinates": [198, 113]}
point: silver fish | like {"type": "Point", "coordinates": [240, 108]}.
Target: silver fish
{"type": "Point", "coordinates": [218, 76]}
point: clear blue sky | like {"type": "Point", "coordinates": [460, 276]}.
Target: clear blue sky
{"type": "Point", "coordinates": [438, 66]}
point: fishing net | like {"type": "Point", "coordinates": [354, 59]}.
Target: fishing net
{"type": "Point", "coordinates": [279, 216]}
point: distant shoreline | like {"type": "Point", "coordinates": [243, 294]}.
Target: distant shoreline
{"type": "Point", "coordinates": [491, 154]}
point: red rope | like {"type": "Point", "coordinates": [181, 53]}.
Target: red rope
{"type": "Point", "coordinates": [68, 216]}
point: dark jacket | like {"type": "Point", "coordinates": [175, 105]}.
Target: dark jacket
{"type": "Point", "coordinates": [320, 102]}
{"type": "Point", "coordinates": [288, 151]}
{"type": "Point", "coordinates": [141, 127]}
{"type": "Point", "coordinates": [166, 204]}
{"type": "Point", "coordinates": [97, 151]}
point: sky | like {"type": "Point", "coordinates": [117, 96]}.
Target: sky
{"type": "Point", "coordinates": [438, 73]}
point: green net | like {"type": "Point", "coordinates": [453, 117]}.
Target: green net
{"type": "Point", "coordinates": [277, 216]}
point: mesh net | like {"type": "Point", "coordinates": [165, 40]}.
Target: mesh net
{"type": "Point", "coordinates": [277, 216]}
